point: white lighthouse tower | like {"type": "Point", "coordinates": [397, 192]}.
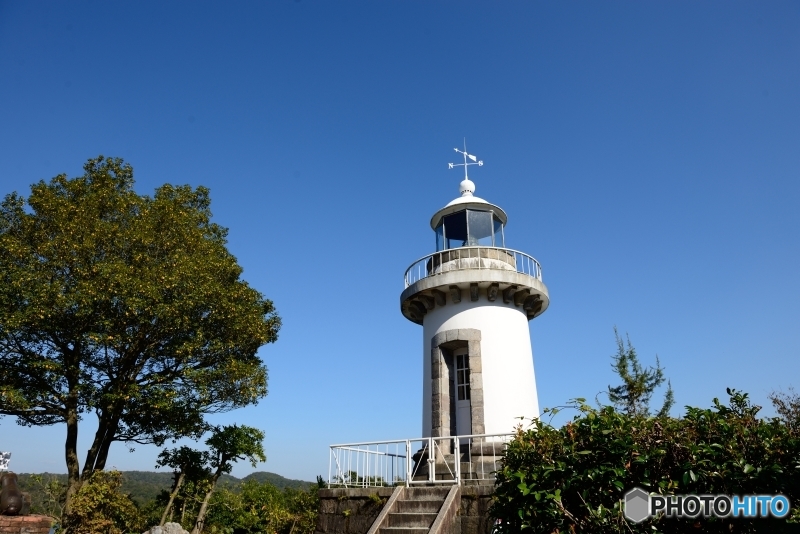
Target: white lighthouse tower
{"type": "Point", "coordinates": [474, 298]}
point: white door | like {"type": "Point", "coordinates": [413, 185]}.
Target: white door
{"type": "Point", "coordinates": [463, 404]}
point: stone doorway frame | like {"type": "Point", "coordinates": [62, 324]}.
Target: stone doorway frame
{"type": "Point", "coordinates": [442, 394]}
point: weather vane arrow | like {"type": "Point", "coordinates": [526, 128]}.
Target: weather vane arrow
{"type": "Point", "coordinates": [474, 159]}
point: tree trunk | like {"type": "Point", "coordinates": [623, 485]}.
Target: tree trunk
{"type": "Point", "coordinates": [172, 499]}
{"type": "Point", "coordinates": [108, 439]}
{"type": "Point", "coordinates": [97, 454]}
{"type": "Point", "coordinates": [71, 452]}
{"type": "Point", "coordinates": [91, 454]}
{"type": "Point", "coordinates": [201, 515]}
{"type": "Point", "coordinates": [72, 374]}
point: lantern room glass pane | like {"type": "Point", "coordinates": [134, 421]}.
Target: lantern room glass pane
{"type": "Point", "coordinates": [455, 230]}
{"type": "Point", "coordinates": [440, 237]}
{"type": "Point", "coordinates": [480, 228]}
{"type": "Point", "coordinates": [469, 228]}
{"type": "Point", "coordinates": [499, 238]}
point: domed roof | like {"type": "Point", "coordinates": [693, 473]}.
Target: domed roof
{"type": "Point", "coordinates": [467, 201]}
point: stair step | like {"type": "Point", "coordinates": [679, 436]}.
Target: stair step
{"type": "Point", "coordinates": [411, 519]}
{"type": "Point", "coordinates": [418, 506]}
{"type": "Point", "coordinates": [415, 511]}
{"type": "Point", "coordinates": [426, 494]}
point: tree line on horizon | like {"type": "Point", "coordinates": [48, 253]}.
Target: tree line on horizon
{"type": "Point", "coordinates": [114, 502]}
{"type": "Point", "coordinates": [145, 486]}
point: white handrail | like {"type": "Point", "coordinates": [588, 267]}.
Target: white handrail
{"type": "Point", "coordinates": [363, 443]}
{"type": "Point", "coordinates": [389, 463]}
{"type": "Point", "coordinates": [454, 261]}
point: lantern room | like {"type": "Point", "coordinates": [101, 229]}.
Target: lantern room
{"type": "Point", "coordinates": [469, 221]}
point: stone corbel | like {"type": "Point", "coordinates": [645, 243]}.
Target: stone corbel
{"type": "Point", "coordinates": [455, 294]}
{"type": "Point", "coordinates": [508, 294]}
{"type": "Point", "coordinates": [491, 293]}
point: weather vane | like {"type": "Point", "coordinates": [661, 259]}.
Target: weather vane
{"type": "Point", "coordinates": [466, 163]}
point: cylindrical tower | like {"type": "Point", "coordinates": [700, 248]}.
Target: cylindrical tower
{"type": "Point", "coordinates": [474, 298]}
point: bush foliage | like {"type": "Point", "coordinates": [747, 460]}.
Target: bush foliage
{"type": "Point", "coordinates": [573, 478]}
{"type": "Point", "coordinates": [243, 506]}
{"type": "Point", "coordinates": [99, 507]}
{"type": "Point", "coordinates": [255, 508]}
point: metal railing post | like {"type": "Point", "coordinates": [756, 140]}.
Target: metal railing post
{"type": "Point", "coordinates": [408, 461]}
{"type": "Point", "coordinates": [431, 460]}
{"type": "Point", "coordinates": [457, 459]}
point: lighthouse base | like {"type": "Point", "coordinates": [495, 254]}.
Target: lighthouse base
{"type": "Point", "coordinates": [476, 465]}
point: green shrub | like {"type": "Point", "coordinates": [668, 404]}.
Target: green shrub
{"type": "Point", "coordinates": [261, 507]}
{"type": "Point", "coordinates": [100, 508]}
{"type": "Point", "coordinates": [572, 479]}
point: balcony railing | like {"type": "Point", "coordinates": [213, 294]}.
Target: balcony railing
{"type": "Point", "coordinates": [433, 460]}
{"type": "Point", "coordinates": [463, 258]}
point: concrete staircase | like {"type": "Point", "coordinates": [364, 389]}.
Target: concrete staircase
{"type": "Point", "coordinates": [422, 510]}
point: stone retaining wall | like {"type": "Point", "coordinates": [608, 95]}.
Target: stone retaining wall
{"type": "Point", "coordinates": [475, 503]}
{"type": "Point", "coordinates": [25, 524]}
{"type": "Point", "coordinates": [352, 511]}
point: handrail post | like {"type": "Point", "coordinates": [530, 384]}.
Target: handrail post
{"type": "Point", "coordinates": [408, 461]}
{"type": "Point", "coordinates": [431, 460]}
{"type": "Point", "coordinates": [457, 457]}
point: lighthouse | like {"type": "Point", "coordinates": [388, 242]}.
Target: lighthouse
{"type": "Point", "coordinates": [473, 298]}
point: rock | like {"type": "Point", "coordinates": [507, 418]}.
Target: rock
{"type": "Point", "coordinates": [168, 528]}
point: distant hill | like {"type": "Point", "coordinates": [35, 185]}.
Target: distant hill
{"type": "Point", "coordinates": [277, 480]}
{"type": "Point", "coordinates": [144, 486]}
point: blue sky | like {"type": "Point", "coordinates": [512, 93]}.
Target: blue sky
{"type": "Point", "coordinates": [647, 154]}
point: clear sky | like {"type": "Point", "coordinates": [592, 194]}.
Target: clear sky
{"type": "Point", "coordinates": [647, 154]}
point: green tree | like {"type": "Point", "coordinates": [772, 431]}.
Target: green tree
{"type": "Point", "coordinates": [638, 383]}
{"type": "Point", "coordinates": [126, 306]}
{"type": "Point", "coordinates": [229, 444]}
{"type": "Point", "coordinates": [187, 463]}
{"type": "Point", "coordinates": [788, 407]}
